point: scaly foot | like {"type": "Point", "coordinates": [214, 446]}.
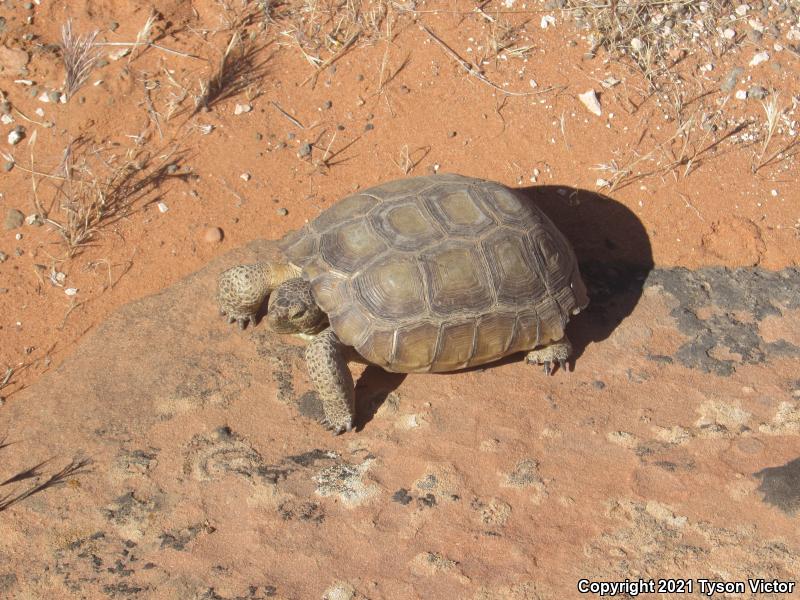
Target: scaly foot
{"type": "Point", "coordinates": [556, 352]}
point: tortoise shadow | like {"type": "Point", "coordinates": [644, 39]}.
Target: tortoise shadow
{"type": "Point", "coordinates": [613, 251]}
{"type": "Point", "coordinates": [373, 389]}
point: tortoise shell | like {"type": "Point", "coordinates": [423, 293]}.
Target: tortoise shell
{"type": "Point", "coordinates": [439, 273]}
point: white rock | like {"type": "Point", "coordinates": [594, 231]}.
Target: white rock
{"type": "Point", "coordinates": [741, 94]}
{"type": "Point", "coordinates": [242, 108]}
{"type": "Point", "coordinates": [57, 278]}
{"type": "Point", "coordinates": [162, 207]}
{"type": "Point", "coordinates": [121, 53]}
{"type": "Point", "coordinates": [601, 183]}
{"type": "Point", "coordinates": [742, 9]}
{"type": "Point", "coordinates": [729, 34]}
{"type": "Point", "coordinates": [14, 137]}
{"type": "Point", "coordinates": [637, 44]}
{"type": "Point", "coordinates": [547, 20]}
{"type": "Point", "coordinates": [245, 176]}
{"type": "Point", "coordinates": [756, 24]}
{"type": "Point", "coordinates": [610, 81]}
{"type": "Point", "coordinates": [24, 81]}
{"type": "Point", "coordinates": [39, 111]}
{"type": "Point", "coordinates": [71, 291]}
{"type": "Point", "coordinates": [44, 97]}
{"type": "Point", "coordinates": [759, 58]}
{"type": "Point", "coordinates": [6, 119]}
{"type": "Point", "coordinates": [533, 83]}
{"type": "Point", "coordinates": [591, 102]}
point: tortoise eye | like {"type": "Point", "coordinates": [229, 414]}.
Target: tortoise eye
{"type": "Point", "coordinates": [298, 313]}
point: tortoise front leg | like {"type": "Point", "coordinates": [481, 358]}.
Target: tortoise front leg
{"type": "Point", "coordinates": [242, 289]}
{"type": "Point", "coordinates": [558, 352]}
{"type": "Point", "coordinates": [326, 358]}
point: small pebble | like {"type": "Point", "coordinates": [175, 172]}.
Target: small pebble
{"type": "Point", "coordinates": [28, 6]}
{"type": "Point", "coordinates": [242, 108]}
{"type": "Point", "coordinates": [758, 92]}
{"type": "Point", "coordinates": [327, 104]}
{"type": "Point", "coordinates": [759, 58]}
{"type": "Point", "coordinates": [451, 134]}
{"type": "Point", "coordinates": [741, 94]}
{"type": "Point", "coordinates": [162, 207]}
{"type": "Point", "coordinates": [5, 107]}
{"type": "Point", "coordinates": [16, 135]}
{"type": "Point", "coordinates": [71, 291]}
{"type": "Point", "coordinates": [172, 169]}
{"type": "Point", "coordinates": [282, 212]}
{"type": "Point", "coordinates": [245, 176]}
{"type": "Point", "coordinates": [305, 150]}
{"type": "Point", "coordinates": [14, 219]}
{"type": "Point", "coordinates": [113, 26]}
{"type": "Point", "coordinates": [359, 77]}
{"type": "Point", "coordinates": [8, 165]}
{"type": "Point", "coordinates": [369, 127]}
{"type": "Point", "coordinates": [731, 79]}
{"type": "Point", "coordinates": [259, 137]}
{"type": "Point", "coordinates": [291, 135]}
{"type": "Point", "coordinates": [591, 102]}
{"type": "Point", "coordinates": [3, 257]}
{"type": "Point", "coordinates": [213, 235]}
{"type": "Point", "coordinates": [119, 53]}
{"type": "Point", "coordinates": [754, 36]}
{"type": "Point", "coordinates": [404, 89]}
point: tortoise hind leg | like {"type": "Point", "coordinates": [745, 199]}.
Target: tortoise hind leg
{"type": "Point", "coordinates": [326, 358]}
{"type": "Point", "coordinates": [555, 352]}
{"type": "Point", "coordinates": [242, 289]}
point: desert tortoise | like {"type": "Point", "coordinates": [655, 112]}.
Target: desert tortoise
{"type": "Point", "coordinates": [417, 275]}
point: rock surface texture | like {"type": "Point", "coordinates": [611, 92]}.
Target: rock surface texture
{"type": "Point", "coordinates": [173, 456]}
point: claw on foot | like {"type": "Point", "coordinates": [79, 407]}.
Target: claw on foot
{"type": "Point", "coordinates": [334, 429]}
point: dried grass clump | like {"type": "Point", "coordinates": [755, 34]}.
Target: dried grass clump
{"type": "Point", "coordinates": [650, 33]}
{"type": "Point", "coordinates": [80, 55]}
{"type": "Point", "coordinates": [93, 187]}
{"type": "Point", "coordinates": [323, 30]}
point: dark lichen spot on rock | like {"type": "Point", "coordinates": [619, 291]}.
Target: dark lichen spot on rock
{"type": "Point", "coordinates": [427, 501]}
{"type": "Point", "coordinates": [303, 511]}
{"type": "Point", "coordinates": [722, 340]}
{"type": "Point", "coordinates": [306, 459]}
{"type": "Point", "coordinates": [402, 496]}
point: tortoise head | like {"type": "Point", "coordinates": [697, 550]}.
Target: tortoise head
{"type": "Point", "coordinates": [292, 309]}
